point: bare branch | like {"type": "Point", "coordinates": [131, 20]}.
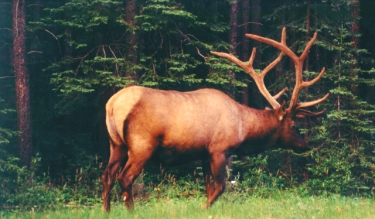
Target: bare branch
{"type": "Point", "coordinates": [6, 77]}
{"type": "Point", "coordinates": [51, 34]}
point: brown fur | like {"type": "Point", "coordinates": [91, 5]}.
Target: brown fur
{"type": "Point", "coordinates": [173, 127]}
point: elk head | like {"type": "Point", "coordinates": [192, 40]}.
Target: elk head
{"type": "Point", "coordinates": [287, 133]}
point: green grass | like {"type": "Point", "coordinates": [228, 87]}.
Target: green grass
{"type": "Point", "coordinates": [280, 205]}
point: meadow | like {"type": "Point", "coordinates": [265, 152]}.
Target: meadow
{"type": "Point", "coordinates": [282, 204]}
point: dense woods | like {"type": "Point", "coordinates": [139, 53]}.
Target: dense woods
{"type": "Point", "coordinates": [61, 60]}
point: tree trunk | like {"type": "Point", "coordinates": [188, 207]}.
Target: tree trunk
{"type": "Point", "coordinates": [279, 66]}
{"type": "Point", "coordinates": [131, 39]}
{"type": "Point", "coordinates": [245, 53]}
{"type": "Point", "coordinates": [307, 38]}
{"type": "Point", "coordinates": [233, 24]}
{"type": "Point", "coordinates": [21, 81]}
{"type": "Point", "coordinates": [355, 40]}
{"type": "Point", "coordinates": [255, 28]}
{"type": "Point", "coordinates": [307, 32]}
{"type": "Point", "coordinates": [305, 120]}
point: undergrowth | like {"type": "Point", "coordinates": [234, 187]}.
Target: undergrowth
{"type": "Point", "coordinates": [38, 192]}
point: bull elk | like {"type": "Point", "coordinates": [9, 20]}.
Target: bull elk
{"type": "Point", "coordinates": [174, 127]}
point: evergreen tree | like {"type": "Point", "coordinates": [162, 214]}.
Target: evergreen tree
{"type": "Point", "coordinates": [343, 141]}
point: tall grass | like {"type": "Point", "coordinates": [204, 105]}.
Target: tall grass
{"type": "Point", "coordinates": [282, 204]}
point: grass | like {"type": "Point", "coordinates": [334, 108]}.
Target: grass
{"type": "Point", "coordinates": [279, 205]}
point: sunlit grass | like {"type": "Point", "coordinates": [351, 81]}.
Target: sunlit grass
{"type": "Point", "coordinates": [279, 205]}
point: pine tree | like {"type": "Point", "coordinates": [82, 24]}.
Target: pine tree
{"type": "Point", "coordinates": [342, 141]}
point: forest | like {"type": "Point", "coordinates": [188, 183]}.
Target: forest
{"type": "Point", "coordinates": [61, 60]}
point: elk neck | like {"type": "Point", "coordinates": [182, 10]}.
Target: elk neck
{"type": "Point", "coordinates": [261, 128]}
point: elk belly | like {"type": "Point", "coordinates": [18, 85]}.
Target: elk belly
{"type": "Point", "coordinates": [175, 156]}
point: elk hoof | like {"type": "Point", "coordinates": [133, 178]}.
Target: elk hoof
{"type": "Point", "coordinates": [205, 206]}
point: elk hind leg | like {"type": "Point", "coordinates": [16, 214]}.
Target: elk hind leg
{"type": "Point", "coordinates": [117, 159]}
{"type": "Point", "coordinates": [129, 173]}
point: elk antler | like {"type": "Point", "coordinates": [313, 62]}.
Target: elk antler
{"type": "Point", "coordinates": [298, 65]}
{"type": "Point", "coordinates": [258, 78]}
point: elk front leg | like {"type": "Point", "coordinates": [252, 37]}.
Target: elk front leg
{"type": "Point", "coordinates": [217, 163]}
{"type": "Point", "coordinates": [208, 180]}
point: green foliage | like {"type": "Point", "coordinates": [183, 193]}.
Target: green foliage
{"type": "Point", "coordinates": [178, 44]}
{"type": "Point", "coordinates": [5, 133]}
{"type": "Point", "coordinates": [348, 149]}
{"type": "Point", "coordinates": [344, 142]}
{"type": "Point", "coordinates": [9, 168]}
{"type": "Point", "coordinates": [87, 62]}
{"type": "Point", "coordinates": [30, 190]}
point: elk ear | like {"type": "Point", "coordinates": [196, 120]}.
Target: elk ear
{"type": "Point", "coordinates": [282, 111]}
{"type": "Point", "coordinates": [267, 108]}
{"type": "Point", "coordinates": [282, 105]}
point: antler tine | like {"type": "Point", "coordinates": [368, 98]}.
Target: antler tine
{"type": "Point", "coordinates": [252, 56]}
{"type": "Point", "coordinates": [308, 47]}
{"type": "Point", "coordinates": [298, 65]}
{"type": "Point", "coordinates": [278, 45]}
{"type": "Point", "coordinates": [259, 79]}
{"type": "Point", "coordinates": [313, 81]}
{"type": "Point", "coordinates": [278, 95]}
{"type": "Point", "coordinates": [311, 103]}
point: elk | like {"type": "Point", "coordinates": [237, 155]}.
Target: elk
{"type": "Point", "coordinates": [174, 127]}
